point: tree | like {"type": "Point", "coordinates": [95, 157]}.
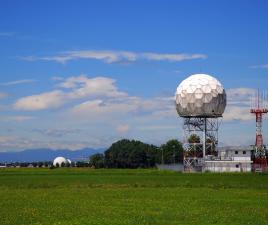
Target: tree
{"type": "Point", "coordinates": [172, 152]}
{"type": "Point", "coordinates": [82, 164]}
{"type": "Point", "coordinates": [131, 154]}
{"type": "Point", "coordinates": [194, 138]}
{"type": "Point", "coordinates": [40, 164]}
{"type": "Point", "coordinates": [97, 160]}
{"type": "Point", "coordinates": [195, 148]}
{"type": "Point", "coordinates": [211, 146]}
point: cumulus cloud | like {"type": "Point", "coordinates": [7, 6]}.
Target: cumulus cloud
{"type": "Point", "coordinates": [94, 87]}
{"type": "Point", "coordinates": [128, 106]}
{"type": "Point", "coordinates": [98, 102]}
{"type": "Point", "coordinates": [115, 56]}
{"type": "Point", "coordinates": [71, 89]}
{"type": "Point", "coordinates": [101, 109]}
{"type": "Point", "coordinates": [100, 98]}
{"type": "Point", "coordinates": [53, 99]}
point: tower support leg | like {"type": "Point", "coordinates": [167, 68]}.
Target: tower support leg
{"type": "Point", "coordinates": [204, 137]}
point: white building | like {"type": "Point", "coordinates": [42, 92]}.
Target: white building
{"type": "Point", "coordinates": [230, 160]}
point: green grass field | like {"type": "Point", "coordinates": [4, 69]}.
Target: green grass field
{"type": "Point", "coordinates": [85, 196]}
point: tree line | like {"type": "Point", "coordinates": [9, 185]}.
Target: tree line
{"type": "Point", "coordinates": [136, 154]}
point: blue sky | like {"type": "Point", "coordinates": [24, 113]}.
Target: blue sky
{"type": "Point", "coordinates": [80, 74]}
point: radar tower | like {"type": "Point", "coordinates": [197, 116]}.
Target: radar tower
{"type": "Point", "coordinates": [200, 101]}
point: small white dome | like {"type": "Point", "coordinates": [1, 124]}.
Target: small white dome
{"type": "Point", "coordinates": [69, 161]}
{"type": "Point", "coordinates": [60, 162]}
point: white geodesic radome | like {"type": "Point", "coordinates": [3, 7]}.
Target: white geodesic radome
{"type": "Point", "coordinates": [60, 162]}
{"type": "Point", "coordinates": [200, 95]}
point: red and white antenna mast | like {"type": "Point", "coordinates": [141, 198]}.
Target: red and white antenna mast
{"type": "Point", "coordinates": [259, 157]}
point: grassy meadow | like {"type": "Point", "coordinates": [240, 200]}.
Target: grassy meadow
{"type": "Point", "coordinates": [105, 196]}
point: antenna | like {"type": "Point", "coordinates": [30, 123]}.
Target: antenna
{"type": "Point", "coordinates": [258, 98]}
{"type": "Point", "coordinates": [259, 160]}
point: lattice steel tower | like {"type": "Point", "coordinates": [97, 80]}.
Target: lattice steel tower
{"type": "Point", "coordinates": [259, 156]}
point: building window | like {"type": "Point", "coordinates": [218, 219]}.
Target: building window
{"type": "Point", "coordinates": [236, 152]}
{"type": "Point", "coordinates": [244, 152]}
{"type": "Point", "coordinates": [237, 165]}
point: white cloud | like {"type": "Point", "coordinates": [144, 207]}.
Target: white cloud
{"type": "Point", "coordinates": [5, 139]}
{"type": "Point", "coordinates": [172, 57]}
{"type": "Point", "coordinates": [115, 56]}
{"type": "Point", "coordinates": [127, 106]}
{"type": "Point", "coordinates": [18, 143]}
{"type": "Point", "coordinates": [263, 66]}
{"type": "Point", "coordinates": [57, 78]}
{"type": "Point", "coordinates": [18, 82]}
{"type": "Point", "coordinates": [123, 128]}
{"type": "Point", "coordinates": [158, 127]}
{"type": "Point", "coordinates": [237, 113]}
{"type": "Point", "coordinates": [3, 95]}
{"type": "Point", "coordinates": [95, 101]}
{"type": "Point", "coordinates": [7, 34]}
{"type": "Point", "coordinates": [234, 92]}
{"type": "Point", "coordinates": [16, 118]}
{"type": "Point", "coordinates": [10, 143]}
{"type": "Point", "coordinates": [107, 110]}
{"type": "Point", "coordinates": [106, 56]}
{"type": "Point", "coordinates": [53, 99]}
{"type": "Point", "coordinates": [73, 82]}
{"type": "Point", "coordinates": [56, 132]}
{"type": "Point", "coordinates": [94, 87]}
{"type": "Point", "coordinates": [78, 87]}
{"type": "Point", "coordinates": [241, 96]}
{"type": "Point", "coordinates": [97, 106]}
{"type": "Point", "coordinates": [20, 118]}
{"type": "Point", "coordinates": [239, 102]}
{"type": "Point", "coordinates": [104, 100]}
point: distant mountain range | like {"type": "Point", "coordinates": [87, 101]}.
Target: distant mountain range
{"type": "Point", "coordinates": [34, 155]}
